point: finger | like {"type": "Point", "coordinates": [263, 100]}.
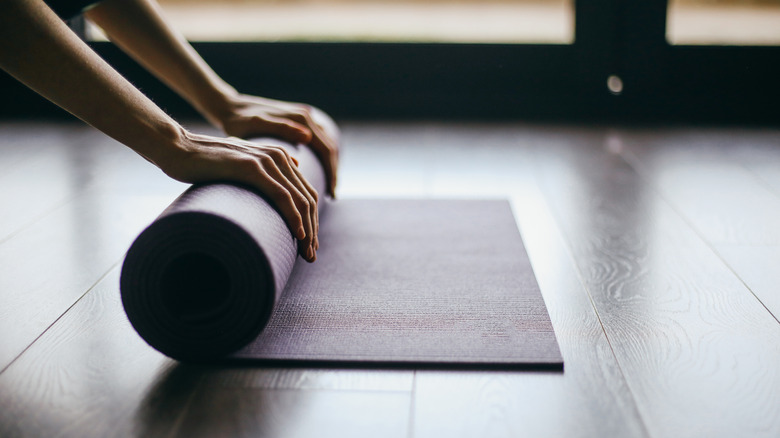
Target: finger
{"type": "Point", "coordinates": [288, 130]}
{"type": "Point", "coordinates": [283, 200]}
{"type": "Point", "coordinates": [328, 157]}
{"type": "Point", "coordinates": [322, 145]}
{"type": "Point", "coordinates": [289, 166]}
{"type": "Point", "coordinates": [315, 211]}
{"type": "Point", "coordinates": [302, 196]}
{"type": "Point", "coordinates": [306, 188]}
{"type": "Point", "coordinates": [270, 181]}
{"type": "Point", "coordinates": [333, 177]}
{"type": "Point", "coordinates": [303, 185]}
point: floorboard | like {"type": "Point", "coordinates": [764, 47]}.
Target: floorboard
{"type": "Point", "coordinates": [684, 328]}
{"type": "Point", "coordinates": [71, 211]}
{"type": "Point", "coordinates": [705, 180]}
{"type": "Point", "coordinates": [90, 375]}
{"type": "Point", "coordinates": [757, 267]}
{"type": "Point", "coordinates": [248, 412]}
{"type": "Point", "coordinates": [495, 162]}
{"type": "Point", "coordinates": [655, 250]}
{"type": "Point", "coordinates": [48, 266]}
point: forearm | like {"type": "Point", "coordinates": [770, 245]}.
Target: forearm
{"type": "Point", "coordinates": [38, 49]}
{"type": "Point", "coordinates": [140, 29]}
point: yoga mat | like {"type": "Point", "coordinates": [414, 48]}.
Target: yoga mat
{"type": "Point", "coordinates": [413, 283]}
{"type": "Point", "coordinates": [432, 283]}
{"type": "Point", "coordinates": [200, 281]}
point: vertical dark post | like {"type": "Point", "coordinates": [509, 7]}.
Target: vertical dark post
{"type": "Point", "coordinates": [622, 54]}
{"type": "Point", "coordinates": [644, 51]}
{"type": "Point", "coordinates": [78, 25]}
{"type": "Point", "coordinates": [596, 45]}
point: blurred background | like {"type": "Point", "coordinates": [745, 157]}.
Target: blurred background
{"type": "Point", "coordinates": [668, 61]}
{"type": "Point", "coordinates": [509, 21]}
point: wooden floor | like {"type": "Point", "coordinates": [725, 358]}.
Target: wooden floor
{"type": "Point", "coordinates": [657, 252]}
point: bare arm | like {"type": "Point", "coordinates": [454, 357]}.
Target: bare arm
{"type": "Point", "coordinates": [139, 28]}
{"type": "Point", "coordinates": [38, 49]}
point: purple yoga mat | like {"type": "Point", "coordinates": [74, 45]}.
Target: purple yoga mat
{"type": "Point", "coordinates": [201, 281]}
{"type": "Point", "coordinates": [435, 283]}
{"type": "Point", "coordinates": [411, 283]}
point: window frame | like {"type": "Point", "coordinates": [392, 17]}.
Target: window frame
{"type": "Point", "coordinates": [535, 82]}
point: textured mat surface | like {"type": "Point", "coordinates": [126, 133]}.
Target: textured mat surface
{"type": "Point", "coordinates": [441, 283]}
{"type": "Point", "coordinates": [415, 282]}
{"type": "Point", "coordinates": [200, 282]}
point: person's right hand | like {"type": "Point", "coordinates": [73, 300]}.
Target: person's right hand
{"type": "Point", "coordinates": [249, 116]}
{"type": "Point", "coordinates": [266, 167]}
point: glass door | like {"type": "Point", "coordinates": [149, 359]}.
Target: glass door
{"type": "Point", "coordinates": [723, 59]}
{"type": "Point", "coordinates": [385, 58]}
{"type": "Point", "coordinates": [684, 60]}
{"type": "Point", "coordinates": [413, 21]}
{"type": "Point", "coordinates": [551, 60]}
{"type": "Point", "coordinates": [723, 22]}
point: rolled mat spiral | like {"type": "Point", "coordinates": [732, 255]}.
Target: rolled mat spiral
{"type": "Point", "coordinates": [200, 282]}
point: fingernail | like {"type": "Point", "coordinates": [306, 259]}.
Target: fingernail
{"type": "Point", "coordinates": [309, 253]}
{"type": "Point", "coordinates": [301, 232]}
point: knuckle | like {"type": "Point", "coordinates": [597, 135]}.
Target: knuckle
{"type": "Point", "coordinates": [250, 165]}
{"type": "Point", "coordinates": [303, 203]}
{"type": "Point", "coordinates": [265, 161]}
{"type": "Point", "coordinates": [301, 112]}
{"type": "Point", "coordinates": [278, 153]}
{"type": "Point", "coordinates": [284, 197]}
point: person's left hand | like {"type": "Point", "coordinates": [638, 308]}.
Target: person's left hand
{"type": "Point", "coordinates": [253, 116]}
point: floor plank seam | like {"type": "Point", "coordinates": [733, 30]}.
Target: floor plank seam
{"type": "Point", "coordinates": [581, 280]}
{"type": "Point", "coordinates": [89, 289]}
{"type": "Point", "coordinates": [642, 421]}
{"type": "Point", "coordinates": [741, 280]}
{"type": "Point", "coordinates": [410, 429]}
{"type": "Point", "coordinates": [767, 185]}
{"type": "Point", "coordinates": [628, 157]}
{"type": "Point", "coordinates": [37, 219]}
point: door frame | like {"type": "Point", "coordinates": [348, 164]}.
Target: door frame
{"type": "Point", "coordinates": [536, 82]}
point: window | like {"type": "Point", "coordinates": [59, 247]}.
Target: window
{"type": "Point", "coordinates": [726, 22]}
{"type": "Point", "coordinates": [590, 60]}
{"type": "Point", "coordinates": [463, 21]}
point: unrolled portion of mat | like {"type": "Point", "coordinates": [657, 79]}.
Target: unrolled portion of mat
{"type": "Point", "coordinates": [413, 282]}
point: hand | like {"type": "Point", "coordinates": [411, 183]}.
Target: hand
{"type": "Point", "coordinates": [268, 168]}
{"type": "Point", "coordinates": [251, 116]}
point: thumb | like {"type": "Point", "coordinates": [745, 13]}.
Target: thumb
{"type": "Point", "coordinates": [291, 131]}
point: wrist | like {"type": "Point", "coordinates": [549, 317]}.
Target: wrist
{"type": "Point", "coordinates": [163, 144]}
{"type": "Point", "coordinates": [219, 105]}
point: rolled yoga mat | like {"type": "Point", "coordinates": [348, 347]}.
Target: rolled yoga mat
{"type": "Point", "coordinates": [200, 282]}
{"type": "Point", "coordinates": [411, 283]}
